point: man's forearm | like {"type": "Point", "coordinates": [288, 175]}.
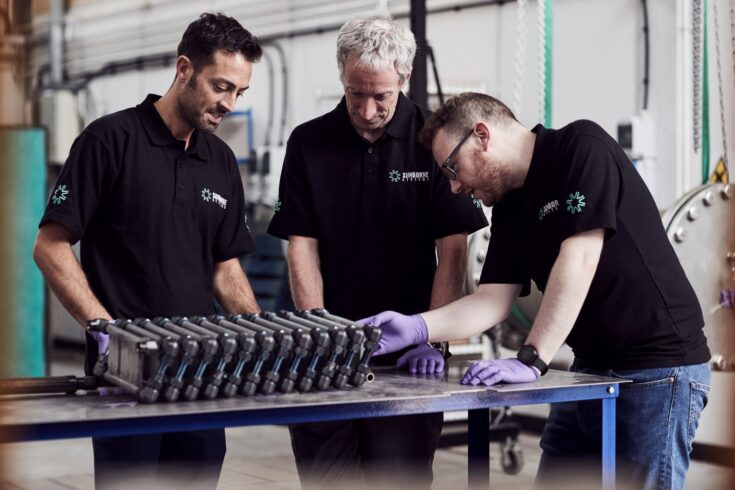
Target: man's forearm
{"type": "Point", "coordinates": [473, 314]}
{"type": "Point", "coordinates": [65, 277]}
{"type": "Point", "coordinates": [305, 277]}
{"type": "Point", "coordinates": [451, 270]}
{"type": "Point", "coordinates": [565, 293]}
{"type": "Point", "coordinates": [232, 288]}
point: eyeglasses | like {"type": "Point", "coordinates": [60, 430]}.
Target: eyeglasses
{"type": "Point", "coordinates": [448, 168]}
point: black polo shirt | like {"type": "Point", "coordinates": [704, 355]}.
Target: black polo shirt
{"type": "Point", "coordinates": [641, 311]}
{"type": "Point", "coordinates": [153, 218]}
{"type": "Point", "coordinates": [376, 210]}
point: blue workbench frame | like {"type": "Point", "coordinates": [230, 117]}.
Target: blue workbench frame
{"type": "Point", "coordinates": [398, 395]}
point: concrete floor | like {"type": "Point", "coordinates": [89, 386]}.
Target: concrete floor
{"type": "Point", "coordinates": [260, 458]}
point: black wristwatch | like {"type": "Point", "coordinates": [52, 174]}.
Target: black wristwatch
{"type": "Point", "coordinates": [529, 356]}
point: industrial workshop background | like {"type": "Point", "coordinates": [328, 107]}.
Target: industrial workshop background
{"type": "Point", "coordinates": [657, 74]}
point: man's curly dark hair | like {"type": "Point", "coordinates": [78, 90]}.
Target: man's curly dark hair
{"type": "Point", "coordinates": [212, 32]}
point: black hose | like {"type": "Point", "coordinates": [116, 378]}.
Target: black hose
{"type": "Point", "coordinates": [48, 385]}
{"type": "Point", "coordinates": [434, 69]}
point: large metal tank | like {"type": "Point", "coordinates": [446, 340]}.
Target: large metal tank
{"type": "Point", "coordinates": [701, 228]}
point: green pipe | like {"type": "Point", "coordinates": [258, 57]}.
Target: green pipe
{"type": "Point", "coordinates": [549, 65]}
{"type": "Point", "coordinates": [705, 99]}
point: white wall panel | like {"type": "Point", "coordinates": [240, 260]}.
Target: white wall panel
{"type": "Point", "coordinates": [598, 59]}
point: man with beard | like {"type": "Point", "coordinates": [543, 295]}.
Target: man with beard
{"type": "Point", "coordinates": [367, 214]}
{"type": "Point", "coordinates": [571, 213]}
{"type": "Point", "coordinates": [157, 202]}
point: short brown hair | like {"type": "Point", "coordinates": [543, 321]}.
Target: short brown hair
{"type": "Point", "coordinates": [213, 32]}
{"type": "Point", "coordinates": [460, 112]}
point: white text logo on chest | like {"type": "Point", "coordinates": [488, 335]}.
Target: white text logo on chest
{"type": "Point", "coordinates": [547, 209]}
{"type": "Point", "coordinates": [209, 196]}
{"type": "Point", "coordinates": [396, 176]}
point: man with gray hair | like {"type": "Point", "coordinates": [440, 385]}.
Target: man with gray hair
{"type": "Point", "coordinates": [366, 214]}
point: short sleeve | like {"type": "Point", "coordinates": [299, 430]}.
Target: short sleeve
{"type": "Point", "coordinates": [590, 188]}
{"type": "Point", "coordinates": [88, 175]}
{"type": "Point", "coordinates": [453, 213]}
{"type": "Point", "coordinates": [294, 211]}
{"type": "Point", "coordinates": [506, 259]}
{"type": "Point", "coordinates": [233, 235]}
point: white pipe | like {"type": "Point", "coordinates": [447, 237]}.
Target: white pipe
{"type": "Point", "coordinates": [56, 43]}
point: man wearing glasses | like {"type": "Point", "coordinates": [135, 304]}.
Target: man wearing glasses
{"type": "Point", "coordinates": [571, 213]}
{"type": "Point", "coordinates": [367, 213]}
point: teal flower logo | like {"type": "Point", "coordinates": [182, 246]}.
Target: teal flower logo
{"type": "Point", "coordinates": [576, 202]}
{"type": "Point", "coordinates": [394, 176]}
{"type": "Point", "coordinates": [60, 194]}
{"type": "Point", "coordinates": [477, 202]}
{"type": "Point", "coordinates": [277, 206]}
{"type": "Point", "coordinates": [206, 195]}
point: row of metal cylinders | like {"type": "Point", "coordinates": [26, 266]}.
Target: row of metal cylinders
{"type": "Point", "coordinates": [191, 357]}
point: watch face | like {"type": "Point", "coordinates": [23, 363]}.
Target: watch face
{"type": "Point", "coordinates": [527, 354]}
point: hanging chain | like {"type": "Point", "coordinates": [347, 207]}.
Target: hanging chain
{"type": "Point", "coordinates": [541, 60]}
{"type": "Point", "coordinates": [697, 47]}
{"type": "Point", "coordinates": [715, 15]}
{"type": "Point", "coordinates": [520, 58]}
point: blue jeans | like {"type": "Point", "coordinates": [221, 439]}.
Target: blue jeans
{"type": "Point", "coordinates": [656, 418]}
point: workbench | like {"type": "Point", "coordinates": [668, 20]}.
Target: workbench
{"type": "Point", "coordinates": [44, 417]}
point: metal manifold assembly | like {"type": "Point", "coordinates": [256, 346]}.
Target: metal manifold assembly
{"type": "Point", "coordinates": [185, 358]}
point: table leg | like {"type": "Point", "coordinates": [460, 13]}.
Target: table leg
{"type": "Point", "coordinates": [608, 443]}
{"type": "Point", "coordinates": [478, 442]}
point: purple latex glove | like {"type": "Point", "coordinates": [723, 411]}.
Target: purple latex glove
{"type": "Point", "coordinates": [103, 342]}
{"type": "Point", "coordinates": [424, 359]}
{"type": "Point", "coordinates": [500, 370]}
{"type": "Point", "coordinates": [399, 331]}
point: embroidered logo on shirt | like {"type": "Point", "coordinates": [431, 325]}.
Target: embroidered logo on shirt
{"type": "Point", "coordinates": [548, 208]}
{"type": "Point", "coordinates": [209, 196]}
{"type": "Point", "coordinates": [396, 176]}
{"type": "Point", "coordinates": [277, 206]}
{"type": "Point", "coordinates": [477, 202]}
{"type": "Point", "coordinates": [575, 203]}
{"type": "Point", "coordinates": [60, 194]}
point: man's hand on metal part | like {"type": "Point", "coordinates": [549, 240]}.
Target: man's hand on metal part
{"type": "Point", "coordinates": [489, 373]}
{"type": "Point", "coordinates": [399, 331]}
{"type": "Point", "coordinates": [103, 342]}
{"type": "Point", "coordinates": [423, 359]}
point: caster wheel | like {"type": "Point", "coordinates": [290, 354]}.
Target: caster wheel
{"type": "Point", "coordinates": [511, 458]}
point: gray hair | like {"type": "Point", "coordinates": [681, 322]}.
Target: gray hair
{"type": "Point", "coordinates": [377, 43]}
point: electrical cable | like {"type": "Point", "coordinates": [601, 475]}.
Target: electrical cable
{"type": "Point", "coordinates": [716, 25]}
{"type": "Point", "coordinates": [646, 54]}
